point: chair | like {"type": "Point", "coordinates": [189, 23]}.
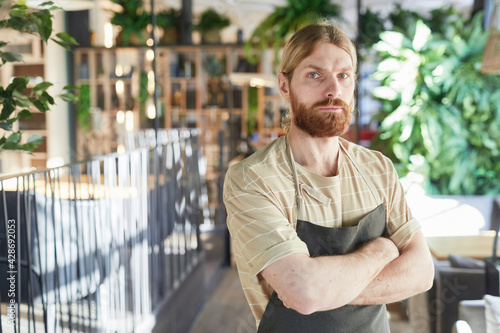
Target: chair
{"type": "Point", "coordinates": [436, 310]}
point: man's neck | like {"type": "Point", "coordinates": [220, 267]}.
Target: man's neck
{"type": "Point", "coordinates": [319, 155]}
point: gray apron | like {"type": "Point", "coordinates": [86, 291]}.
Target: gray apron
{"type": "Point", "coordinates": [332, 241]}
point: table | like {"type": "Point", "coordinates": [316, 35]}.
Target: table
{"type": "Point", "coordinates": [474, 246]}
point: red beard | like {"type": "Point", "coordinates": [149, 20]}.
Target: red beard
{"type": "Point", "coordinates": [321, 124]}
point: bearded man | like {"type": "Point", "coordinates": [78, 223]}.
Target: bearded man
{"type": "Point", "coordinates": [322, 235]}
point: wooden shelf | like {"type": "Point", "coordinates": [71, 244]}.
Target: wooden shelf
{"type": "Point", "coordinates": [194, 90]}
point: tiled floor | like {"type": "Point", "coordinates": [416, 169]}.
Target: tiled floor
{"type": "Point", "coordinates": [227, 311]}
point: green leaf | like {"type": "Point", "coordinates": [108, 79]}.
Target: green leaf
{"type": "Point", "coordinates": [44, 23]}
{"type": "Point", "coordinates": [40, 105]}
{"type": "Point", "coordinates": [69, 97]}
{"type": "Point", "coordinates": [19, 13]}
{"type": "Point", "coordinates": [25, 114]}
{"type": "Point", "coordinates": [14, 138]}
{"type": "Point", "coordinates": [67, 38]}
{"type": "Point", "coordinates": [387, 93]}
{"type": "Point", "coordinates": [35, 139]}
{"type": "Point", "coordinates": [11, 57]}
{"type": "Point", "coordinates": [42, 86]}
{"type": "Point", "coordinates": [393, 39]}
{"type": "Point", "coordinates": [6, 126]}
{"type": "Point", "coordinates": [46, 97]}
{"type": "Point", "coordinates": [61, 43]}
{"type": "Point", "coordinates": [422, 36]}
{"type": "Point", "coordinates": [17, 84]}
{"type": "Point", "coordinates": [48, 3]}
{"type": "Point", "coordinates": [389, 65]}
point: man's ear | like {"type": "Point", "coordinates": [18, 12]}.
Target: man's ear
{"type": "Point", "coordinates": [283, 86]}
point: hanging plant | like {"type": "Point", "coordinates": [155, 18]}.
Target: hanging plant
{"type": "Point", "coordinates": [209, 25]}
{"type": "Point", "coordinates": [440, 117]}
{"type": "Point", "coordinates": [132, 20]}
{"type": "Point", "coordinates": [280, 25]}
{"type": "Point", "coordinates": [169, 21]}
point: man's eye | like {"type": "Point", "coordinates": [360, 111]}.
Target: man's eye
{"type": "Point", "coordinates": [313, 75]}
{"type": "Point", "coordinates": [343, 76]}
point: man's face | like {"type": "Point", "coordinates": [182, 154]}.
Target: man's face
{"type": "Point", "coordinates": [321, 92]}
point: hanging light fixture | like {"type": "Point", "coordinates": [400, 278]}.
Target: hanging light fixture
{"type": "Point", "coordinates": [491, 55]}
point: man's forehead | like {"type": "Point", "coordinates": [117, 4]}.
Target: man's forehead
{"type": "Point", "coordinates": [335, 54]}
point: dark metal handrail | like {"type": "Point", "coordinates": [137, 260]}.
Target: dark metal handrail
{"type": "Point", "coordinates": [100, 244]}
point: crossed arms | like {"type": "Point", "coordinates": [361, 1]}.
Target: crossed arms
{"type": "Point", "coordinates": [377, 273]}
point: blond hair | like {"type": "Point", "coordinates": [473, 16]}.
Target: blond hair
{"type": "Point", "coordinates": [302, 44]}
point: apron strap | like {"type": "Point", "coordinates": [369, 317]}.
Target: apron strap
{"type": "Point", "coordinates": [363, 174]}
{"type": "Point", "coordinates": [295, 176]}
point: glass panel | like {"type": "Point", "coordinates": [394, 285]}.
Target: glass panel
{"type": "Point", "coordinates": [99, 65]}
{"type": "Point", "coordinates": [100, 96]}
{"type": "Point", "coordinates": [183, 65]}
{"type": "Point", "coordinates": [241, 64]}
{"type": "Point", "coordinates": [83, 69]}
{"type": "Point", "coordinates": [129, 97]}
{"type": "Point", "coordinates": [115, 101]}
{"type": "Point", "coordinates": [269, 114]}
{"type": "Point", "coordinates": [191, 96]}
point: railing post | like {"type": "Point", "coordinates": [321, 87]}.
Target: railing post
{"type": "Point", "coordinates": [221, 209]}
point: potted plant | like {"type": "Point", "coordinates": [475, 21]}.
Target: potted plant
{"type": "Point", "coordinates": [18, 99]}
{"type": "Point", "coordinates": [276, 28]}
{"type": "Point", "coordinates": [133, 21]}
{"type": "Point", "coordinates": [209, 25]}
{"type": "Point", "coordinates": [169, 22]}
{"type": "Point", "coordinates": [440, 116]}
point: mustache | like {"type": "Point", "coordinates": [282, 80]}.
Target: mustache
{"type": "Point", "coordinates": [332, 102]}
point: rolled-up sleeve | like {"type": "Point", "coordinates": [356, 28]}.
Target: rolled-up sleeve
{"type": "Point", "coordinates": [260, 230]}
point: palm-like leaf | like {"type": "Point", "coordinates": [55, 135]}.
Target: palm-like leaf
{"type": "Point", "coordinates": [440, 114]}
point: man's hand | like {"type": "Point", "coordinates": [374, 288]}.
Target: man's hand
{"type": "Point", "coordinates": [411, 273]}
{"type": "Point", "coordinates": [383, 247]}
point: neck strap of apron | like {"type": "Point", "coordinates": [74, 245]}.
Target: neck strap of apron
{"type": "Point", "coordinates": [363, 174]}
{"type": "Point", "coordinates": [298, 192]}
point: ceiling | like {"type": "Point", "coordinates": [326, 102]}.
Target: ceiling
{"type": "Point", "coordinates": [246, 14]}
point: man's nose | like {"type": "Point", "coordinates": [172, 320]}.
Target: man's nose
{"type": "Point", "coordinates": [333, 88]}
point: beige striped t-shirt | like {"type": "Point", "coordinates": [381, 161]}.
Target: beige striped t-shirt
{"type": "Point", "coordinates": [261, 202]}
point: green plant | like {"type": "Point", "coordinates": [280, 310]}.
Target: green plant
{"type": "Point", "coordinates": [18, 98]}
{"type": "Point", "coordinates": [83, 107]}
{"type": "Point", "coordinates": [170, 22]}
{"type": "Point", "coordinates": [211, 20]}
{"type": "Point", "coordinates": [440, 116]}
{"type": "Point", "coordinates": [133, 20]}
{"type": "Point", "coordinates": [143, 92]}
{"type": "Point", "coordinates": [214, 66]}
{"type": "Point", "coordinates": [276, 28]}
{"type": "Point", "coordinates": [372, 25]}
{"type": "Point", "coordinates": [168, 18]}
{"type": "Point", "coordinates": [253, 108]}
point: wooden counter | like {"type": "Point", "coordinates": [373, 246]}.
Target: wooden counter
{"type": "Point", "coordinates": [474, 246]}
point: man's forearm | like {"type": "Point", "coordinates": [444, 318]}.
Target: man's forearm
{"type": "Point", "coordinates": [409, 274]}
{"type": "Point", "coordinates": [323, 283]}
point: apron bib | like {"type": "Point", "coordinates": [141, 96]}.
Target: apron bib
{"type": "Point", "coordinates": [332, 241]}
